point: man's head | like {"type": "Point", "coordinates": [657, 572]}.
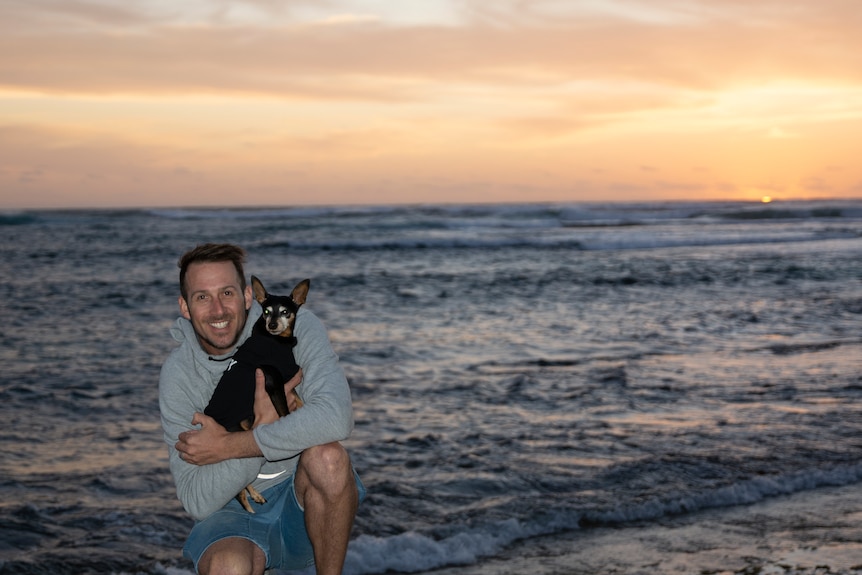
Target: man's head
{"type": "Point", "coordinates": [214, 295]}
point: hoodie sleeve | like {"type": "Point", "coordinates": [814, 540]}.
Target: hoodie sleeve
{"type": "Point", "coordinates": [327, 413]}
{"type": "Point", "coordinates": [202, 490]}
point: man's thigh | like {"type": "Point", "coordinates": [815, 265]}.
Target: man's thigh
{"type": "Point", "coordinates": [277, 528]}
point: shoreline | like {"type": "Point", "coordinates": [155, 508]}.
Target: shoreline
{"type": "Point", "coordinates": [810, 532]}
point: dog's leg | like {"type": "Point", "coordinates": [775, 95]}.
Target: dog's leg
{"type": "Point", "coordinates": [242, 497]}
{"type": "Point", "coordinates": [255, 494]}
{"type": "Point", "coordinates": [275, 389]}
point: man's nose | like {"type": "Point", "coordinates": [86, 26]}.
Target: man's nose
{"type": "Point", "coordinates": [218, 305]}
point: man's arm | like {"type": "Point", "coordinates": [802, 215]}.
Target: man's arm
{"type": "Point", "coordinates": [202, 489]}
{"type": "Point", "coordinates": [212, 443]}
{"type": "Point", "coordinates": [327, 413]}
{"type": "Point", "coordinates": [326, 416]}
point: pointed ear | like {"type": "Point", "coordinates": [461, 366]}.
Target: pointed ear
{"type": "Point", "coordinates": [259, 290]}
{"type": "Point", "coordinates": [300, 292]}
{"type": "Point", "coordinates": [184, 308]}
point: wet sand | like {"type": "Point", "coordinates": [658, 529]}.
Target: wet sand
{"type": "Point", "coordinates": [812, 532]}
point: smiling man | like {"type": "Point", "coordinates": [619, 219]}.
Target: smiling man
{"type": "Point", "coordinates": [296, 461]}
{"type": "Point", "coordinates": [217, 306]}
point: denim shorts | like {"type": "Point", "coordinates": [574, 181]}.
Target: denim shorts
{"type": "Point", "coordinates": [277, 527]}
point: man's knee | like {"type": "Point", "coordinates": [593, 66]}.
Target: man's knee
{"type": "Point", "coordinates": [232, 556]}
{"type": "Point", "coordinates": [328, 459]}
{"type": "Point", "coordinates": [326, 468]}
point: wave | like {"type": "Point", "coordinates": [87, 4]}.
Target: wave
{"type": "Point", "coordinates": [529, 214]}
{"type": "Point", "coordinates": [611, 241]}
{"type": "Point", "coordinates": [412, 552]}
{"type": "Point", "coordinates": [581, 226]}
{"type": "Point", "coordinates": [18, 219]}
{"type": "Point", "coordinates": [404, 244]}
{"type": "Point", "coordinates": [574, 214]}
{"type": "Point", "coordinates": [767, 214]}
{"type": "Point", "coordinates": [238, 213]}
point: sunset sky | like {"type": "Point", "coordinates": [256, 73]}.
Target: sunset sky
{"type": "Point", "coordinates": [140, 103]}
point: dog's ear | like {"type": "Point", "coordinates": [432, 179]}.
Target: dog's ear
{"type": "Point", "coordinates": [258, 289]}
{"type": "Point", "coordinates": [300, 292]}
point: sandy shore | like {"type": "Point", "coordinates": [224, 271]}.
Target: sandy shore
{"type": "Point", "coordinates": [815, 532]}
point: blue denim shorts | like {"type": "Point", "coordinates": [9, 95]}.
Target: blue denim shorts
{"type": "Point", "coordinates": [277, 527]}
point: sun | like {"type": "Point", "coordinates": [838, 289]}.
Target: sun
{"type": "Point", "coordinates": [766, 199]}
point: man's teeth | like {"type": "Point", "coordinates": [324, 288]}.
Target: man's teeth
{"type": "Point", "coordinates": [219, 324]}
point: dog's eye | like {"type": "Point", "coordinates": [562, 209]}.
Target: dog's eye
{"type": "Point", "coordinates": [266, 312]}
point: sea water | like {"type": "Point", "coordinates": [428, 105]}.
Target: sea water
{"type": "Point", "coordinates": [516, 370]}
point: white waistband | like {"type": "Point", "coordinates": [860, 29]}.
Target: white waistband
{"type": "Point", "coordinates": [271, 475]}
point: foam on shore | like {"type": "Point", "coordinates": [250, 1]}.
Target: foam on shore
{"type": "Point", "coordinates": [812, 532]}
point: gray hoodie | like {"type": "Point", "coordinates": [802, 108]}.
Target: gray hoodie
{"type": "Point", "coordinates": [188, 378]}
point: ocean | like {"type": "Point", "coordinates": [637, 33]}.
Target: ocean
{"type": "Point", "coordinates": [524, 376]}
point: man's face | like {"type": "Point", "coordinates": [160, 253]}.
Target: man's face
{"type": "Point", "coordinates": [216, 305]}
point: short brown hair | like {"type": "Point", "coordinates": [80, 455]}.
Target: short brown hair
{"type": "Point", "coordinates": [212, 253]}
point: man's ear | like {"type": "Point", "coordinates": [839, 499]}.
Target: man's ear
{"type": "Point", "coordinates": [248, 297]}
{"type": "Point", "coordinates": [184, 308]}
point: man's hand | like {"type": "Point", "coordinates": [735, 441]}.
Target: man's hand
{"type": "Point", "coordinates": [205, 445]}
{"type": "Point", "coordinates": [212, 443]}
{"type": "Point", "coordinates": [292, 398]}
{"type": "Point", "coordinates": [264, 410]}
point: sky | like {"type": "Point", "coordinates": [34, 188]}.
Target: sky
{"type": "Point", "coordinates": [117, 103]}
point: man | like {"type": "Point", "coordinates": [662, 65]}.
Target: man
{"type": "Point", "coordinates": [296, 461]}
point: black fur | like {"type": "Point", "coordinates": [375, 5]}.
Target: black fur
{"type": "Point", "coordinates": [232, 402]}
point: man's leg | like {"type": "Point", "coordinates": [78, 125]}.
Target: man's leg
{"type": "Point", "coordinates": [326, 489]}
{"type": "Point", "coordinates": [232, 556]}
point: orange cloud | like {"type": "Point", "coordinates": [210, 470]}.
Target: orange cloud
{"type": "Point", "coordinates": [309, 102]}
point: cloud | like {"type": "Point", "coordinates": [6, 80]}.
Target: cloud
{"type": "Point", "coordinates": [777, 133]}
{"type": "Point", "coordinates": [491, 97]}
{"type": "Point", "coordinates": [126, 50]}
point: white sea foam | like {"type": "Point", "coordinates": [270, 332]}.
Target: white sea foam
{"type": "Point", "coordinates": [414, 552]}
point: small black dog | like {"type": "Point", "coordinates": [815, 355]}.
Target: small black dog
{"type": "Point", "coordinates": [270, 348]}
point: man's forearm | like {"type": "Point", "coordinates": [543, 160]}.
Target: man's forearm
{"type": "Point", "coordinates": [212, 443]}
{"type": "Point", "coordinates": [240, 445]}
{"type": "Point", "coordinates": [205, 489]}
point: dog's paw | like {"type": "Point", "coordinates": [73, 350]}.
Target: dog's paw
{"type": "Point", "coordinates": [255, 495]}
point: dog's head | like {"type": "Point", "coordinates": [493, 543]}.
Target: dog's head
{"type": "Point", "coordinates": [279, 311]}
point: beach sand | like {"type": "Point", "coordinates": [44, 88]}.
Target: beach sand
{"type": "Point", "coordinates": [812, 532]}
